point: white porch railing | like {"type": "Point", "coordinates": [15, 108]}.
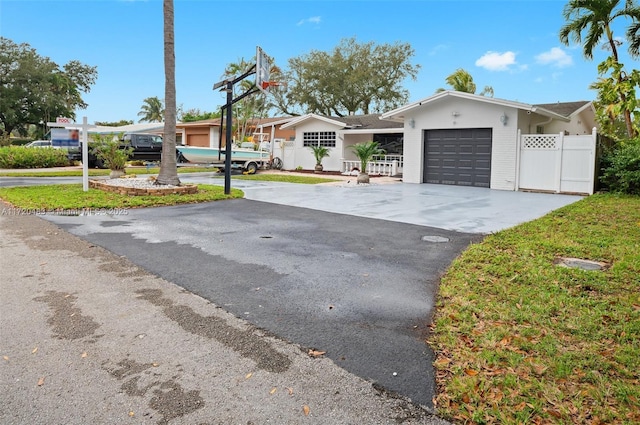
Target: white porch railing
{"type": "Point", "coordinates": [383, 165]}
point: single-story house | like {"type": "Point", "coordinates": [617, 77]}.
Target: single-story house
{"type": "Point", "coordinates": [206, 133]}
{"type": "Point", "coordinates": [338, 134]}
{"type": "Point", "coordinates": [465, 139]}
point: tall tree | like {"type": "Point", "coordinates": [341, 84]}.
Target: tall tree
{"type": "Point", "coordinates": [461, 80]}
{"type": "Point", "coordinates": [168, 167]}
{"type": "Point", "coordinates": [595, 18]}
{"type": "Point", "coordinates": [354, 78]}
{"type": "Point", "coordinates": [152, 110]}
{"type": "Point", "coordinates": [35, 90]}
{"type": "Point", "coordinates": [609, 105]}
{"type": "Point", "coordinates": [633, 35]}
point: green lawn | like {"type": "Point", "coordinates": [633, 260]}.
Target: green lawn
{"type": "Point", "coordinates": [72, 197]}
{"type": "Point", "coordinates": [288, 178]}
{"type": "Point", "coordinates": [521, 340]}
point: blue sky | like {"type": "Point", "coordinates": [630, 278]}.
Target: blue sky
{"type": "Point", "coordinates": [512, 46]}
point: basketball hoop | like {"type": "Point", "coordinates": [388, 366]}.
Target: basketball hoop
{"type": "Point", "coordinates": [267, 84]}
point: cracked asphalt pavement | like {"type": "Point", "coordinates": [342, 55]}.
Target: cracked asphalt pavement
{"type": "Point", "coordinates": [205, 314]}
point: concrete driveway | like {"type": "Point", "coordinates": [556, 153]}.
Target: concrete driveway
{"type": "Point", "coordinates": [463, 209]}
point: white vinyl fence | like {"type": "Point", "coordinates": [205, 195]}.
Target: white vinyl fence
{"type": "Point", "coordinates": [557, 163]}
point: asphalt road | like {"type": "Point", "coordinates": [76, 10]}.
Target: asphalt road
{"type": "Point", "coordinates": [88, 337]}
{"type": "Point", "coordinates": [361, 290]}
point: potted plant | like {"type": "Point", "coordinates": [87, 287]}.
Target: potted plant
{"type": "Point", "coordinates": [319, 152]}
{"type": "Point", "coordinates": [365, 152]}
{"type": "Point", "coordinates": [109, 152]}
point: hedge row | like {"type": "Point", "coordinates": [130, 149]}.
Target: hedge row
{"type": "Point", "coordinates": [23, 157]}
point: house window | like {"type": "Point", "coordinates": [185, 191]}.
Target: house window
{"type": "Point", "coordinates": [319, 138]}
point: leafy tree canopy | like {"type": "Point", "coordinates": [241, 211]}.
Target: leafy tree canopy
{"type": "Point", "coordinates": [588, 22]}
{"type": "Point", "coordinates": [192, 115]}
{"type": "Point", "coordinates": [114, 123]}
{"type": "Point", "coordinates": [354, 78]}
{"type": "Point", "coordinates": [35, 90]}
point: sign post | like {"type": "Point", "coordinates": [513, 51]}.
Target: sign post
{"type": "Point", "coordinates": [70, 138]}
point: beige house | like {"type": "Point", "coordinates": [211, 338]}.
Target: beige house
{"type": "Point", "coordinates": [206, 133]}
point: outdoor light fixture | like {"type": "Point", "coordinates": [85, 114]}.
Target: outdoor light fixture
{"type": "Point", "coordinates": [504, 118]}
{"type": "Point", "coordinates": [412, 123]}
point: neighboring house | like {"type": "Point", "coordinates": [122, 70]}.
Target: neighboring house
{"type": "Point", "coordinates": [206, 133]}
{"type": "Point", "coordinates": [339, 134]}
{"type": "Point", "coordinates": [465, 139]}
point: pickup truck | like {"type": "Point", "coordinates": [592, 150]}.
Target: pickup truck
{"type": "Point", "coordinates": [146, 147]}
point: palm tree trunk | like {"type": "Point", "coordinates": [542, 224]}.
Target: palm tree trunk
{"type": "Point", "coordinates": [168, 167]}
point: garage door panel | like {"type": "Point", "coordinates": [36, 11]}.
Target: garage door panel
{"type": "Point", "coordinates": [458, 157]}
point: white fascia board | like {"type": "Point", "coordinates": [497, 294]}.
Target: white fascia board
{"type": "Point", "coordinates": [373, 130]}
{"type": "Point", "coordinates": [586, 106]}
{"type": "Point", "coordinates": [274, 123]}
{"type": "Point", "coordinates": [310, 117]}
{"type": "Point", "coordinates": [549, 114]}
{"type": "Point", "coordinates": [399, 113]}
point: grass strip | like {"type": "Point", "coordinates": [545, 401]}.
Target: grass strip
{"type": "Point", "coordinates": [72, 197]}
{"type": "Point", "coordinates": [522, 340]}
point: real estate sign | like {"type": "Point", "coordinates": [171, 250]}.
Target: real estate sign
{"type": "Point", "coordinates": [65, 137]}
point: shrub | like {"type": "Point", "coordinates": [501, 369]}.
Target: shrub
{"type": "Point", "coordinates": [107, 148]}
{"type": "Point", "coordinates": [621, 171]}
{"type": "Point", "coordinates": [365, 152]}
{"type": "Point", "coordinates": [23, 157]}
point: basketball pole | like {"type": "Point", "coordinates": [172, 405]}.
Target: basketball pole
{"type": "Point", "coordinates": [228, 143]}
{"type": "Point", "coordinates": [228, 87]}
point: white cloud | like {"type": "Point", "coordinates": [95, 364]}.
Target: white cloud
{"type": "Point", "coordinates": [437, 49]}
{"type": "Point", "coordinates": [555, 57]}
{"type": "Point", "coordinates": [311, 20]}
{"type": "Point", "coordinates": [494, 61]}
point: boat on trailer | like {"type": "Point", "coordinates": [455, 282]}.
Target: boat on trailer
{"type": "Point", "coordinates": [250, 160]}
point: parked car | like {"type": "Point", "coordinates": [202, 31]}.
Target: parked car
{"type": "Point", "coordinates": [145, 147]}
{"type": "Point", "coordinates": [39, 144]}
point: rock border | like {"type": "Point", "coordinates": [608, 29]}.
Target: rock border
{"type": "Point", "coordinates": [137, 191]}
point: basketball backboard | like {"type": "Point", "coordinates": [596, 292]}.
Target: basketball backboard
{"type": "Point", "coordinates": [263, 70]}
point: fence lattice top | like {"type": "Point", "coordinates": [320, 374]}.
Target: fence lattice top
{"type": "Point", "coordinates": [539, 141]}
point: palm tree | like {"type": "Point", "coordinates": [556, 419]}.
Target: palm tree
{"type": "Point", "coordinates": [249, 108]}
{"type": "Point", "coordinates": [319, 153]}
{"type": "Point", "coordinates": [152, 110]}
{"type": "Point", "coordinates": [168, 167]}
{"type": "Point", "coordinates": [594, 17]}
{"type": "Point", "coordinates": [633, 35]}
{"type": "Point", "coordinates": [365, 152]}
{"type": "Point", "coordinates": [462, 81]}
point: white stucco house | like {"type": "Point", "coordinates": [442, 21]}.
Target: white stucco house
{"type": "Point", "coordinates": [459, 138]}
{"type": "Point", "coordinates": [339, 134]}
{"type": "Point", "coordinates": [465, 139]}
